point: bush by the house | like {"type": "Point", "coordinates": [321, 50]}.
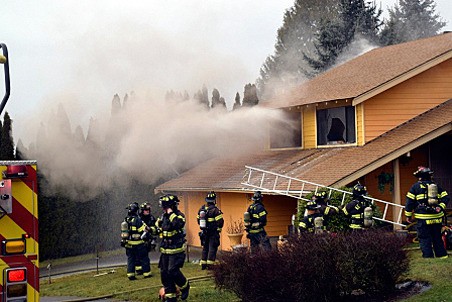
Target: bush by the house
{"type": "Point", "coordinates": [312, 267]}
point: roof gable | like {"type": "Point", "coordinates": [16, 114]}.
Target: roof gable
{"type": "Point", "coordinates": [370, 73]}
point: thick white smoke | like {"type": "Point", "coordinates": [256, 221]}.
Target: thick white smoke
{"type": "Point", "coordinates": [143, 139]}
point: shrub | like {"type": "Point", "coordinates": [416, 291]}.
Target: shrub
{"type": "Point", "coordinates": [310, 267]}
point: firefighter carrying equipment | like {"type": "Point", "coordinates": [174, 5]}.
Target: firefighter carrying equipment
{"type": "Point", "coordinates": [418, 204]}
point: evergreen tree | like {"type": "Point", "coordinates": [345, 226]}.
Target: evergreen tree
{"type": "Point", "coordinates": [411, 20]}
{"type": "Point", "coordinates": [294, 38]}
{"type": "Point", "coordinates": [115, 105]}
{"type": "Point", "coordinates": [215, 98]}
{"type": "Point", "coordinates": [6, 143]}
{"type": "Point", "coordinates": [250, 95]}
{"type": "Point", "coordinates": [357, 19]}
{"type": "Point", "coordinates": [205, 96]}
{"type": "Point", "coordinates": [236, 102]}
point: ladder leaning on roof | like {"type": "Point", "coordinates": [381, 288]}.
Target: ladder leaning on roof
{"type": "Point", "coordinates": [267, 181]}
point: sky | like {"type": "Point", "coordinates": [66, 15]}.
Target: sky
{"type": "Point", "coordinates": [80, 53]}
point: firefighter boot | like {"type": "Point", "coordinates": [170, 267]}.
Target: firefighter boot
{"type": "Point", "coordinates": [203, 266]}
{"type": "Point", "coordinates": [184, 291]}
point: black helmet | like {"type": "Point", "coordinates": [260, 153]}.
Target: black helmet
{"type": "Point", "coordinates": [257, 197]}
{"type": "Point", "coordinates": [359, 190]}
{"type": "Point", "coordinates": [145, 206]}
{"type": "Point", "coordinates": [211, 197]}
{"type": "Point", "coordinates": [132, 208]}
{"type": "Point", "coordinates": [423, 172]}
{"type": "Point", "coordinates": [312, 205]}
{"type": "Point", "coordinates": [320, 195]}
{"type": "Point", "coordinates": [168, 201]}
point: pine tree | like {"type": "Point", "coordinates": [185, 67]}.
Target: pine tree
{"type": "Point", "coordinates": [250, 95]}
{"type": "Point", "coordinates": [294, 38]}
{"type": "Point", "coordinates": [6, 143]}
{"type": "Point", "coordinates": [357, 19]}
{"type": "Point", "coordinates": [411, 20]}
{"type": "Point", "coordinates": [215, 98]}
{"type": "Point", "coordinates": [236, 102]}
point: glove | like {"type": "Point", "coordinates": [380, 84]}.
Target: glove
{"type": "Point", "coordinates": [438, 209]}
{"type": "Point", "coordinates": [123, 243]}
{"type": "Point", "coordinates": [409, 221]}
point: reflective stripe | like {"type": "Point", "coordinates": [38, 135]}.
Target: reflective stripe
{"type": "Point", "coordinates": [210, 219]}
{"type": "Point", "coordinates": [185, 285]}
{"type": "Point", "coordinates": [219, 217]}
{"type": "Point", "coordinates": [410, 195]}
{"type": "Point", "coordinates": [262, 213]}
{"type": "Point", "coordinates": [355, 226]}
{"type": "Point", "coordinates": [172, 216]}
{"type": "Point", "coordinates": [170, 295]}
{"type": "Point", "coordinates": [135, 242]}
{"type": "Point", "coordinates": [345, 211]}
{"type": "Point", "coordinates": [302, 224]}
{"type": "Point", "coordinates": [421, 196]}
{"type": "Point", "coordinates": [408, 214]}
{"type": "Point", "coordinates": [173, 251]}
{"type": "Point", "coordinates": [428, 216]}
{"type": "Point", "coordinates": [443, 194]}
{"type": "Point", "coordinates": [256, 231]}
{"type": "Point", "coordinates": [170, 233]}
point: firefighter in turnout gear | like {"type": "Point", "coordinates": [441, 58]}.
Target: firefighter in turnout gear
{"type": "Point", "coordinates": [256, 223]}
{"type": "Point", "coordinates": [210, 220]}
{"type": "Point", "coordinates": [425, 202]}
{"type": "Point", "coordinates": [149, 219]}
{"type": "Point", "coordinates": [356, 209]}
{"type": "Point", "coordinates": [134, 242]}
{"type": "Point", "coordinates": [313, 221]}
{"type": "Point", "coordinates": [326, 210]}
{"type": "Point", "coordinates": [171, 226]}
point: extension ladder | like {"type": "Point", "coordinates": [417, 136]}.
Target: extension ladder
{"type": "Point", "coordinates": [271, 182]}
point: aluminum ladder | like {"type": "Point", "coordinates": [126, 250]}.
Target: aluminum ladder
{"type": "Point", "coordinates": [271, 182]}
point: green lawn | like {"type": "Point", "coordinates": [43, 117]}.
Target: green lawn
{"type": "Point", "coordinates": [438, 272]}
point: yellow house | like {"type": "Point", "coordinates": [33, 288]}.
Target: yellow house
{"type": "Point", "coordinates": [383, 113]}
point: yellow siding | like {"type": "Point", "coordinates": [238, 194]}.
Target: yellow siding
{"type": "Point", "coordinates": [359, 110]}
{"type": "Point", "coordinates": [233, 205]}
{"type": "Point", "coordinates": [309, 128]}
{"type": "Point", "coordinates": [407, 100]}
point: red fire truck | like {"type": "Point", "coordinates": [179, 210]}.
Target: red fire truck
{"type": "Point", "coordinates": [19, 256]}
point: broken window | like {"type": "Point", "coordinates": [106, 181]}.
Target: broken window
{"type": "Point", "coordinates": [336, 126]}
{"type": "Point", "coordinates": [286, 132]}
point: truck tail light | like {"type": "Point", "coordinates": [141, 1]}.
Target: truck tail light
{"type": "Point", "coordinates": [16, 284]}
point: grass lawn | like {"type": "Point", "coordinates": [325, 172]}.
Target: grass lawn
{"type": "Point", "coordinates": [437, 272]}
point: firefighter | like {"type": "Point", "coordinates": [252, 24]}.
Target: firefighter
{"type": "Point", "coordinates": [356, 209]}
{"type": "Point", "coordinates": [171, 226]}
{"type": "Point", "coordinates": [313, 221]}
{"type": "Point", "coordinates": [149, 219]}
{"type": "Point", "coordinates": [210, 220]}
{"type": "Point", "coordinates": [326, 210]}
{"type": "Point", "coordinates": [425, 202]}
{"type": "Point", "coordinates": [254, 226]}
{"type": "Point", "coordinates": [137, 255]}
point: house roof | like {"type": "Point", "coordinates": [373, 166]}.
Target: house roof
{"type": "Point", "coordinates": [319, 165]}
{"type": "Point", "coordinates": [369, 74]}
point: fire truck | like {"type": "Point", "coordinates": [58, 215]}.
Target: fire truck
{"type": "Point", "coordinates": [19, 256]}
